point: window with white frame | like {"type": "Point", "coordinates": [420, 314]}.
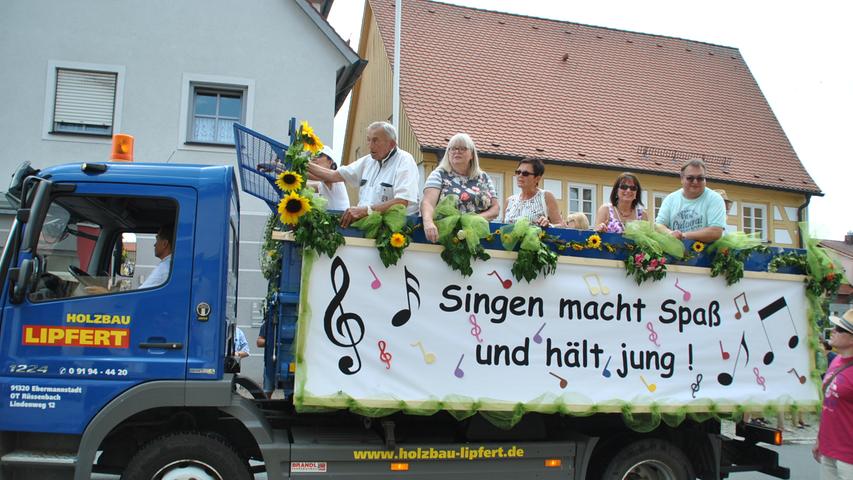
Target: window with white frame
{"type": "Point", "coordinates": [84, 101]}
{"type": "Point", "coordinates": [582, 199]}
{"type": "Point", "coordinates": [658, 199]}
{"type": "Point", "coordinates": [214, 112]}
{"type": "Point", "coordinates": [755, 219]}
{"type": "Point", "coordinates": [498, 182]}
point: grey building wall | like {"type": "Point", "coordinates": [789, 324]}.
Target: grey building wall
{"type": "Point", "coordinates": [159, 46]}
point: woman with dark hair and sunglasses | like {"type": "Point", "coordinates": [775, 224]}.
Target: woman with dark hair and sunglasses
{"type": "Point", "coordinates": [625, 205]}
{"type": "Point", "coordinates": [538, 205]}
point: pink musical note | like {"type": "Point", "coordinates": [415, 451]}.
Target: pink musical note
{"type": "Point", "coordinates": [606, 373]}
{"type": "Point", "coordinates": [653, 337]}
{"type": "Point", "coordinates": [458, 372]}
{"type": "Point", "coordinates": [563, 381]}
{"type": "Point", "coordinates": [758, 378]}
{"type": "Point", "coordinates": [376, 283]}
{"type": "Point", "coordinates": [475, 332]}
{"type": "Point", "coordinates": [745, 305]}
{"type": "Point", "coordinates": [384, 356]}
{"type": "Point", "coordinates": [801, 378]}
{"type": "Point", "coordinates": [724, 353]}
{"type": "Point", "coordinates": [538, 338]}
{"type": "Point", "coordinates": [686, 293]}
{"type": "Point", "coordinates": [506, 283]}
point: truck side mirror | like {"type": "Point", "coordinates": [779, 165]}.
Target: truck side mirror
{"type": "Point", "coordinates": [21, 280]}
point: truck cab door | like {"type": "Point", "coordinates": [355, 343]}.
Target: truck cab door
{"type": "Point", "coordinates": [91, 327]}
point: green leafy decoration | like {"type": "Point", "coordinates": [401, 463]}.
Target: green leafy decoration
{"type": "Point", "coordinates": [390, 231]}
{"type": "Point", "coordinates": [460, 234]}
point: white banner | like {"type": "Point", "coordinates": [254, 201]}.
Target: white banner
{"type": "Point", "coordinates": [588, 335]}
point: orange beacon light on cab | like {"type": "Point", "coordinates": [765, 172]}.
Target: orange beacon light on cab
{"type": "Point", "coordinates": [122, 150]}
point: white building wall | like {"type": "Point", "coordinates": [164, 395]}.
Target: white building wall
{"type": "Point", "coordinates": [158, 44]}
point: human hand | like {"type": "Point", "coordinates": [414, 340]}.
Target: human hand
{"type": "Point", "coordinates": [352, 214]}
{"type": "Point", "coordinates": [261, 342]}
{"type": "Point", "coordinates": [600, 227]}
{"type": "Point", "coordinates": [677, 234]}
{"type": "Point", "coordinates": [543, 222]}
{"type": "Point", "coordinates": [431, 232]}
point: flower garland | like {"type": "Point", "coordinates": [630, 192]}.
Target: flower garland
{"type": "Point", "coordinates": [730, 253]}
{"type": "Point", "coordinates": [390, 230]}
{"type": "Point", "coordinates": [593, 242]}
{"type": "Point", "coordinates": [534, 257]}
{"type": "Point", "coordinates": [646, 259]}
{"type": "Point", "coordinates": [302, 210]}
{"type": "Point", "coordinates": [644, 263]}
{"type": "Point", "coordinates": [823, 274]}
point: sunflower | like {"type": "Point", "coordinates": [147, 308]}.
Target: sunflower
{"type": "Point", "coordinates": [398, 240]}
{"type": "Point", "coordinates": [310, 141]}
{"type": "Point", "coordinates": [594, 241]}
{"type": "Point", "coordinates": [698, 247]}
{"type": "Point", "coordinates": [289, 181]}
{"type": "Point", "coordinates": [293, 206]}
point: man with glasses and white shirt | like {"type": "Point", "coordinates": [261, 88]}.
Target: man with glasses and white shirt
{"type": "Point", "coordinates": [693, 212]}
{"type": "Point", "coordinates": [386, 177]}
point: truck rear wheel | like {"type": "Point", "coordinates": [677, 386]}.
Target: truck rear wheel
{"type": "Point", "coordinates": [650, 459]}
{"type": "Point", "coordinates": [185, 456]}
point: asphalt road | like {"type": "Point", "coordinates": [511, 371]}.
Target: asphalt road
{"type": "Point", "coordinates": [797, 457]}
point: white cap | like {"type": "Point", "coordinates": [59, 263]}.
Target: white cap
{"type": "Point", "coordinates": [327, 151]}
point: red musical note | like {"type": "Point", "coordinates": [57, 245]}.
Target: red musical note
{"type": "Point", "coordinates": [801, 378]}
{"type": "Point", "coordinates": [458, 372]}
{"type": "Point", "coordinates": [506, 283]}
{"type": "Point", "coordinates": [384, 356]}
{"type": "Point", "coordinates": [724, 353]}
{"type": "Point", "coordinates": [563, 381]}
{"type": "Point", "coordinates": [538, 338]}
{"type": "Point", "coordinates": [725, 378]}
{"type": "Point", "coordinates": [375, 283]}
{"type": "Point", "coordinates": [768, 311]}
{"type": "Point", "coordinates": [745, 305]}
{"type": "Point", "coordinates": [475, 332]}
{"type": "Point", "coordinates": [686, 293]}
{"type": "Point", "coordinates": [758, 378]}
{"type": "Point", "coordinates": [653, 337]}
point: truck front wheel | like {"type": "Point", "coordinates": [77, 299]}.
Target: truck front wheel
{"type": "Point", "coordinates": [650, 459]}
{"type": "Point", "coordinates": [185, 456]}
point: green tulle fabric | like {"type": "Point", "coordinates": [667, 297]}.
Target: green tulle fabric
{"type": "Point", "coordinates": [394, 218]}
{"type": "Point", "coordinates": [521, 231]}
{"type": "Point", "coordinates": [735, 241]}
{"type": "Point", "coordinates": [820, 263]}
{"type": "Point", "coordinates": [448, 216]}
{"type": "Point", "coordinates": [644, 235]}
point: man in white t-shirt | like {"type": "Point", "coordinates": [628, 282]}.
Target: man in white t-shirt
{"type": "Point", "coordinates": [163, 251]}
{"type": "Point", "coordinates": [693, 212]}
{"type": "Point", "coordinates": [386, 177]}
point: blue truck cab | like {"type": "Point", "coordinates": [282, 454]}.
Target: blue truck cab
{"type": "Point", "coordinates": [105, 372]}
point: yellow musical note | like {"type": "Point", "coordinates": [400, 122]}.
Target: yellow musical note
{"type": "Point", "coordinates": [651, 386]}
{"type": "Point", "coordinates": [429, 357]}
{"type": "Point", "coordinates": [595, 290]}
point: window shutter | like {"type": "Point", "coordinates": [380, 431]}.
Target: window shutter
{"type": "Point", "coordinates": [84, 98]}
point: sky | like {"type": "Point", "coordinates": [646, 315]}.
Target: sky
{"type": "Point", "coordinates": [797, 51]}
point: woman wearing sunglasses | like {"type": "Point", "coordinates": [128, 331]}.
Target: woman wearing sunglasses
{"type": "Point", "coordinates": [625, 205]}
{"type": "Point", "coordinates": [537, 205]}
{"type": "Point", "coordinates": [459, 174]}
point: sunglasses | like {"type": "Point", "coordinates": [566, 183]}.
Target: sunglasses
{"type": "Point", "coordinates": [632, 188]}
{"type": "Point", "coordinates": [691, 178]}
{"type": "Point", "coordinates": [524, 173]}
{"type": "Point", "coordinates": [840, 330]}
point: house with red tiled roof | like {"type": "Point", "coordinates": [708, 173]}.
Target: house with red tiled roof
{"type": "Point", "coordinates": [843, 252]}
{"type": "Point", "coordinates": [589, 101]}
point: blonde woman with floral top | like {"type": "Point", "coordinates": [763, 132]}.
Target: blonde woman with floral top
{"type": "Point", "coordinates": [459, 174]}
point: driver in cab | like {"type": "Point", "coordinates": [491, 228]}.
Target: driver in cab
{"type": "Point", "coordinates": [163, 251]}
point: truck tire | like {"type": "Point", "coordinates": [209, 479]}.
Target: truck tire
{"type": "Point", "coordinates": [649, 459]}
{"type": "Point", "coordinates": [184, 456]}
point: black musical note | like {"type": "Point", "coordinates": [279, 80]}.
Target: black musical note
{"type": "Point", "coordinates": [766, 312]}
{"type": "Point", "coordinates": [342, 324]}
{"type": "Point", "coordinates": [400, 318]}
{"type": "Point", "coordinates": [725, 378]}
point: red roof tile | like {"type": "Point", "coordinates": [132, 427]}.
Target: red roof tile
{"type": "Point", "coordinates": [584, 95]}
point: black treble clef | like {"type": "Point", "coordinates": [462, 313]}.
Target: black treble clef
{"type": "Point", "coordinates": [347, 364]}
